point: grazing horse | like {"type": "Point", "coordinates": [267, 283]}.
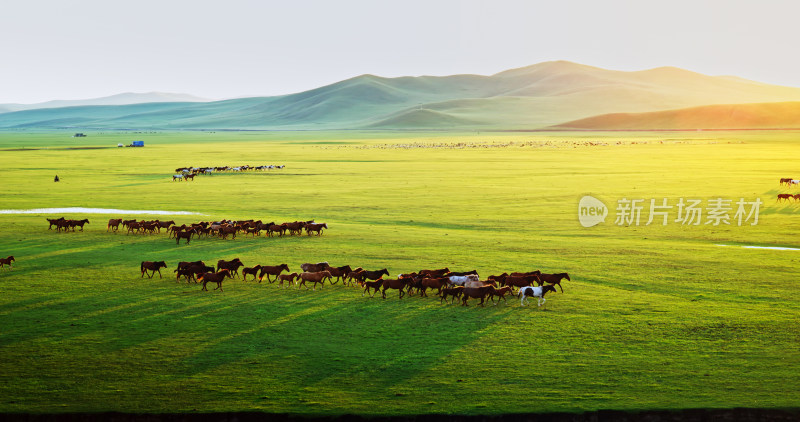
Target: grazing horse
{"type": "Point", "coordinates": [232, 265]}
{"type": "Point", "coordinates": [113, 224]}
{"type": "Point", "coordinates": [530, 291]}
{"type": "Point", "coordinates": [785, 196]}
{"type": "Point", "coordinates": [152, 266]}
{"type": "Point", "coordinates": [184, 235]}
{"type": "Point", "coordinates": [250, 270]}
{"type": "Point", "coordinates": [455, 291]}
{"type": "Point", "coordinates": [314, 227]}
{"type": "Point", "coordinates": [398, 284]}
{"type": "Point", "coordinates": [553, 279]}
{"type": "Point", "coordinates": [317, 277]}
{"type": "Point", "coordinates": [476, 292]}
{"type": "Point", "coordinates": [272, 270]}
{"type": "Point", "coordinates": [7, 261]}
{"type": "Point", "coordinates": [54, 222]}
{"type": "Point", "coordinates": [377, 284]}
{"type": "Point", "coordinates": [216, 277]}
{"type": "Point", "coordinates": [288, 278]}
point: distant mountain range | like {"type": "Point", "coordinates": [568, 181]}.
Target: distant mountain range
{"type": "Point", "coordinates": [118, 99]}
{"type": "Point", "coordinates": [534, 97]}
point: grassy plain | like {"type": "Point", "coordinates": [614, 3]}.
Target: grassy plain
{"type": "Point", "coordinates": [655, 317]}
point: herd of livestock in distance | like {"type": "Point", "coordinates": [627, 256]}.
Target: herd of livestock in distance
{"type": "Point", "coordinates": [222, 229]}
{"type": "Point", "coordinates": [188, 173]}
{"type": "Point", "coordinates": [446, 283]}
{"type": "Point", "coordinates": [788, 181]}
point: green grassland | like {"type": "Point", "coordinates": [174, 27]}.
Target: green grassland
{"type": "Point", "coordinates": [655, 317]}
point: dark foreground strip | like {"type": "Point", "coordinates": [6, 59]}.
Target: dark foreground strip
{"type": "Point", "coordinates": [692, 415]}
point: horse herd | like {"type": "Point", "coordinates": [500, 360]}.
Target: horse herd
{"type": "Point", "coordinates": [63, 224]}
{"type": "Point", "coordinates": [446, 283]}
{"type": "Point", "coordinates": [188, 173]}
{"type": "Point", "coordinates": [222, 228]}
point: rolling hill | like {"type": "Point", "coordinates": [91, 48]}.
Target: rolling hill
{"type": "Point", "coordinates": [782, 115]}
{"type": "Point", "coordinates": [531, 97]}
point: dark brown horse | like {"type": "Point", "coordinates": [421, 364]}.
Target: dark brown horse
{"type": "Point", "coordinates": [339, 272]}
{"type": "Point", "coordinates": [250, 270]}
{"type": "Point", "coordinates": [399, 284]}
{"type": "Point", "coordinates": [374, 275]}
{"type": "Point", "coordinates": [216, 277]}
{"type": "Point", "coordinates": [434, 283]}
{"type": "Point", "coordinates": [78, 223]}
{"type": "Point", "coordinates": [476, 292]}
{"type": "Point", "coordinates": [317, 277]}
{"type": "Point", "coordinates": [521, 281]}
{"type": "Point", "coordinates": [314, 268]}
{"type": "Point", "coordinates": [314, 227]}
{"type": "Point", "coordinates": [232, 265]}
{"type": "Point", "coordinates": [289, 278]}
{"type": "Point", "coordinates": [272, 270]}
{"type": "Point", "coordinates": [54, 222]}
{"type": "Point", "coordinates": [501, 293]}
{"type": "Point", "coordinates": [113, 224]}
{"type": "Point", "coordinates": [7, 261]}
{"type": "Point", "coordinates": [376, 285]}
{"type": "Point", "coordinates": [153, 267]}
{"type": "Point", "coordinates": [455, 292]}
{"type": "Point", "coordinates": [184, 235]}
{"type": "Point", "coordinates": [276, 228]}
{"type": "Point", "coordinates": [434, 273]}
{"type": "Point", "coordinates": [192, 271]}
{"type": "Point", "coordinates": [554, 279]}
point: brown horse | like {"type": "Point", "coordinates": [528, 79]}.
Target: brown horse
{"type": "Point", "coordinates": [184, 235]}
{"type": "Point", "coordinates": [377, 284]}
{"type": "Point", "coordinates": [374, 275]}
{"type": "Point", "coordinates": [216, 277]}
{"type": "Point", "coordinates": [455, 292]}
{"type": "Point", "coordinates": [434, 273]}
{"type": "Point", "coordinates": [276, 228]}
{"type": "Point", "coordinates": [54, 222]}
{"type": "Point", "coordinates": [476, 292]}
{"type": "Point", "coordinates": [113, 224]}
{"type": "Point", "coordinates": [501, 293]}
{"type": "Point", "coordinates": [250, 270]}
{"type": "Point", "coordinates": [317, 277]}
{"type": "Point", "coordinates": [153, 267]}
{"type": "Point", "coordinates": [295, 227]}
{"type": "Point", "coordinates": [289, 278]}
{"type": "Point", "coordinates": [192, 271]}
{"type": "Point", "coordinates": [434, 283]}
{"type": "Point", "coordinates": [78, 223]}
{"type": "Point", "coordinates": [272, 270]}
{"type": "Point", "coordinates": [785, 196]}
{"type": "Point", "coordinates": [521, 281]}
{"type": "Point", "coordinates": [554, 279]}
{"type": "Point", "coordinates": [232, 265]}
{"type": "Point", "coordinates": [314, 227]}
{"type": "Point", "coordinates": [399, 284]}
{"type": "Point", "coordinates": [340, 273]}
{"type": "Point", "coordinates": [314, 268]}
{"type": "Point", "coordinates": [7, 261]}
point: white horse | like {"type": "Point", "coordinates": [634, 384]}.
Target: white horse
{"type": "Point", "coordinates": [539, 291]}
{"type": "Point", "coordinates": [177, 177]}
{"type": "Point", "coordinates": [460, 280]}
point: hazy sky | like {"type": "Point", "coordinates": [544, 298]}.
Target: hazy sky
{"type": "Point", "coordinates": [56, 49]}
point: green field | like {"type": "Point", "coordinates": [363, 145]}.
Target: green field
{"type": "Point", "coordinates": [655, 317]}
